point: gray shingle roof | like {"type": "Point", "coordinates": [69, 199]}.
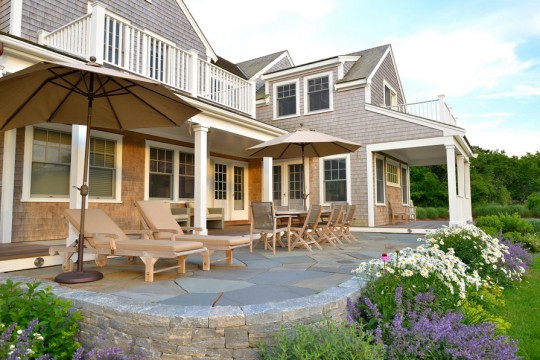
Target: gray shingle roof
{"type": "Point", "coordinates": [366, 64]}
{"type": "Point", "coordinates": [253, 66]}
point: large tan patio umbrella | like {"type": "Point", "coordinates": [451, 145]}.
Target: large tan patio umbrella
{"type": "Point", "coordinates": [71, 93]}
{"type": "Point", "coordinates": [302, 143]}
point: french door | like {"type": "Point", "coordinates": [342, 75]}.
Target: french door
{"type": "Point", "coordinates": [229, 190]}
{"type": "Point", "coordinates": [288, 185]}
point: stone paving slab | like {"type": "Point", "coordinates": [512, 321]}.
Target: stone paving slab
{"type": "Point", "coordinates": [259, 278]}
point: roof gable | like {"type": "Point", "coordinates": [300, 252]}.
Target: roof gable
{"type": "Point", "coordinates": [255, 67]}
{"type": "Point", "coordinates": [366, 64]}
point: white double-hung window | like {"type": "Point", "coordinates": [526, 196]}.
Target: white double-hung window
{"type": "Point", "coordinates": [170, 172]}
{"type": "Point", "coordinates": [47, 164]}
{"type": "Point", "coordinates": [318, 95]}
{"type": "Point", "coordinates": [335, 178]}
{"type": "Point", "coordinates": [287, 102]}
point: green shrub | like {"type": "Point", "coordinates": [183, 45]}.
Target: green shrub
{"type": "Point", "coordinates": [443, 212]}
{"type": "Point", "coordinates": [533, 204]}
{"type": "Point", "coordinates": [324, 340]}
{"type": "Point", "coordinates": [515, 223]}
{"type": "Point", "coordinates": [496, 209]}
{"type": "Point", "coordinates": [535, 224]}
{"type": "Point", "coordinates": [57, 323]}
{"type": "Point", "coordinates": [432, 213]}
{"type": "Point", "coordinates": [489, 222]}
{"type": "Point", "coordinates": [421, 213]}
{"type": "Point", "coordinates": [531, 242]}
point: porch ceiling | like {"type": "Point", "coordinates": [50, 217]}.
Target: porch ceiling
{"type": "Point", "coordinates": [219, 141]}
{"type": "Point", "coordinates": [420, 156]}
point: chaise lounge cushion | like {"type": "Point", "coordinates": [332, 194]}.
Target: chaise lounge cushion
{"type": "Point", "coordinates": [157, 246]}
{"type": "Point", "coordinates": [211, 241]}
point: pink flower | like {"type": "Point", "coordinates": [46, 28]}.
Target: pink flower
{"type": "Point", "coordinates": [384, 257]}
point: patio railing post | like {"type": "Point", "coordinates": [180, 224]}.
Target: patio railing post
{"type": "Point", "coordinates": [97, 31]}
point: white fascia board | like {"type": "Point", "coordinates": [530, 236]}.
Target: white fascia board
{"type": "Point", "coordinates": [32, 53]}
{"type": "Point", "coordinates": [397, 74]}
{"type": "Point", "coordinates": [284, 55]}
{"type": "Point", "coordinates": [406, 144]}
{"type": "Point", "coordinates": [350, 84]}
{"type": "Point", "coordinates": [344, 58]}
{"type": "Point", "coordinates": [209, 50]}
{"type": "Point", "coordinates": [447, 129]}
{"type": "Point", "coordinates": [226, 120]}
{"type": "Point", "coordinates": [302, 68]}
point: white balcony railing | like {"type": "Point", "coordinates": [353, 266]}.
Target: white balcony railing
{"type": "Point", "coordinates": [116, 42]}
{"type": "Point", "coordinates": [436, 110]}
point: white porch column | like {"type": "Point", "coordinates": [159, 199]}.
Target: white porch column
{"type": "Point", "coordinates": [267, 179]}
{"type": "Point", "coordinates": [15, 17]}
{"type": "Point", "coordinates": [97, 31]}
{"type": "Point", "coordinates": [452, 191]}
{"type": "Point", "coordinates": [201, 176]}
{"type": "Point", "coordinates": [370, 188]}
{"type": "Point", "coordinates": [8, 186]}
{"type": "Point", "coordinates": [461, 187]}
{"type": "Point", "coordinates": [468, 204]}
{"type": "Point", "coordinates": [78, 142]}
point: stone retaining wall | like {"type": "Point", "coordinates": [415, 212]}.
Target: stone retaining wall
{"type": "Point", "coordinates": [194, 332]}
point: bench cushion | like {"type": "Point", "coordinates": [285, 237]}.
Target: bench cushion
{"type": "Point", "coordinates": [158, 245]}
{"type": "Point", "coordinates": [212, 241]}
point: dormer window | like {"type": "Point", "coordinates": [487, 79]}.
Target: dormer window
{"type": "Point", "coordinates": [286, 95]}
{"type": "Point", "coordinates": [317, 94]}
{"type": "Point", "coordinates": [390, 96]}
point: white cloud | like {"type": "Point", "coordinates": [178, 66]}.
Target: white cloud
{"type": "Point", "coordinates": [243, 29]}
{"type": "Point", "coordinates": [494, 131]}
{"type": "Point", "coordinates": [455, 63]}
{"type": "Point", "coordinates": [518, 92]}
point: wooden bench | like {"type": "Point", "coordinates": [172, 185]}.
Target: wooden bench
{"type": "Point", "coordinates": [399, 211]}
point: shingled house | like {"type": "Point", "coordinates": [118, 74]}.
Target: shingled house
{"type": "Point", "coordinates": [357, 96]}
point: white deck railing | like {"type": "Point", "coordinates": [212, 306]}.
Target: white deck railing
{"type": "Point", "coordinates": [436, 110]}
{"type": "Point", "coordinates": [116, 42]}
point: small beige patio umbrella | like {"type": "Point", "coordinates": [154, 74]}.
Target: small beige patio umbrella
{"type": "Point", "coordinates": [71, 93]}
{"type": "Point", "coordinates": [302, 143]}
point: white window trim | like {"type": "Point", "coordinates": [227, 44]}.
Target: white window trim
{"type": "Point", "coordinates": [406, 167]}
{"type": "Point", "coordinates": [274, 90]}
{"type": "Point", "coordinates": [398, 168]}
{"type": "Point", "coordinates": [384, 179]}
{"type": "Point", "coordinates": [117, 164]}
{"type": "Point", "coordinates": [347, 176]}
{"type": "Point", "coordinates": [330, 93]}
{"type": "Point", "coordinates": [176, 149]}
{"type": "Point", "coordinates": [27, 165]}
{"type": "Point", "coordinates": [393, 100]}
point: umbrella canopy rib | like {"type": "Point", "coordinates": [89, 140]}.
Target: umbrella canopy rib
{"type": "Point", "coordinates": [63, 101]}
{"type": "Point", "coordinates": [150, 105]}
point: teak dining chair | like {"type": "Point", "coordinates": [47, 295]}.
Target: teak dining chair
{"type": "Point", "coordinates": [265, 222]}
{"type": "Point", "coordinates": [304, 235]}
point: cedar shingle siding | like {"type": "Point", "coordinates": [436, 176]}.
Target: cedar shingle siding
{"type": "Point", "coordinates": [5, 10]}
{"type": "Point", "coordinates": [385, 72]}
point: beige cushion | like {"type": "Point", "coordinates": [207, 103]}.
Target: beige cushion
{"type": "Point", "coordinates": [211, 241]}
{"type": "Point", "coordinates": [213, 216]}
{"type": "Point", "coordinates": [158, 245]}
{"type": "Point", "coordinates": [157, 215]}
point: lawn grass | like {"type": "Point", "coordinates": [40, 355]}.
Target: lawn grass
{"type": "Point", "coordinates": [522, 310]}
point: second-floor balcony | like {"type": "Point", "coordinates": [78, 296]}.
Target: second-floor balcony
{"type": "Point", "coordinates": [436, 110]}
{"type": "Point", "coordinates": [114, 41]}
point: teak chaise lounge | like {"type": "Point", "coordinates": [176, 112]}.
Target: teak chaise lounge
{"type": "Point", "coordinates": [104, 238]}
{"type": "Point", "coordinates": [156, 216]}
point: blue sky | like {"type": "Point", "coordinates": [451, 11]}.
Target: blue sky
{"type": "Point", "coordinates": [483, 55]}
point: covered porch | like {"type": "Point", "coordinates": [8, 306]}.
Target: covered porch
{"type": "Point", "coordinates": [452, 151]}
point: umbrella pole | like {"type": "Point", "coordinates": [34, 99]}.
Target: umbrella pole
{"type": "Point", "coordinates": [80, 276]}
